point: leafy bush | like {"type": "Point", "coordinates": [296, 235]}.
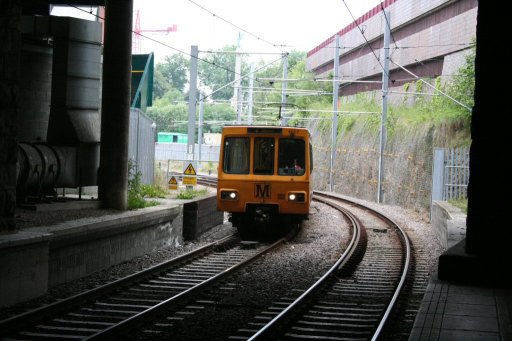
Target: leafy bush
{"type": "Point", "coordinates": [136, 190]}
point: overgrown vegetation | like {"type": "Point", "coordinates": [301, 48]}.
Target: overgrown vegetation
{"type": "Point", "coordinates": [462, 204]}
{"type": "Point", "coordinates": [448, 117]}
{"type": "Point", "coordinates": [137, 191]}
{"type": "Point", "coordinates": [191, 194]}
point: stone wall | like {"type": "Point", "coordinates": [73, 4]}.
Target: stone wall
{"type": "Point", "coordinates": [407, 164]}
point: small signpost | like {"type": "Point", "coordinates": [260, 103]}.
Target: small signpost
{"type": "Point", "coordinates": [173, 183]}
{"type": "Point", "coordinates": [189, 175]}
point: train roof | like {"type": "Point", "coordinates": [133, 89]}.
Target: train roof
{"type": "Point", "coordinates": [262, 128]}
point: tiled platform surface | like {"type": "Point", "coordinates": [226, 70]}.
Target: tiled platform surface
{"type": "Point", "coordinates": [453, 312]}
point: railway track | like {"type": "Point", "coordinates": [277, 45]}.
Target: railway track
{"type": "Point", "coordinates": [355, 298]}
{"type": "Point", "coordinates": [118, 307]}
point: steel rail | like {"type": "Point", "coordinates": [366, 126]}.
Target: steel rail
{"type": "Point", "coordinates": [407, 262]}
{"type": "Point", "coordinates": [131, 322]}
{"type": "Point", "coordinates": [355, 241]}
{"type": "Point", "coordinates": [47, 311]}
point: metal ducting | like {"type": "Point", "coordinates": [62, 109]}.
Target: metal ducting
{"type": "Point", "coordinates": [42, 168]}
{"type": "Point", "coordinates": [60, 121]}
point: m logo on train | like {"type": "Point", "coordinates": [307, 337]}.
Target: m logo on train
{"type": "Point", "coordinates": [262, 190]}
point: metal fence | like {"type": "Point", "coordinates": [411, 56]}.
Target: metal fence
{"type": "Point", "coordinates": [141, 145]}
{"type": "Point", "coordinates": [450, 175]}
{"type": "Point", "coordinates": [178, 152]}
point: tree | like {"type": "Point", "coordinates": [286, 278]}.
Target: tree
{"type": "Point", "coordinates": [217, 70]}
{"type": "Point", "coordinates": [296, 70]}
{"type": "Point", "coordinates": [169, 112]}
{"type": "Point", "coordinates": [160, 84]}
{"type": "Point", "coordinates": [216, 116]}
{"type": "Point", "coordinates": [174, 70]}
{"type": "Point", "coordinates": [462, 87]}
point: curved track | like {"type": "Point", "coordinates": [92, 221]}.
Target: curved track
{"type": "Point", "coordinates": [354, 299]}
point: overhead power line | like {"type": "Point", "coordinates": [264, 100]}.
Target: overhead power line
{"type": "Point", "coordinates": [236, 26]}
{"type": "Point", "coordinates": [362, 33]}
{"type": "Point", "coordinates": [158, 42]}
{"type": "Point", "coordinates": [431, 86]}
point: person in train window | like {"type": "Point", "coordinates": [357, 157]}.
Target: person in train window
{"type": "Point", "coordinates": [296, 166]}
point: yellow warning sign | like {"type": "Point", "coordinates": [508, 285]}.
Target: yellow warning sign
{"type": "Point", "coordinates": [189, 180]}
{"type": "Point", "coordinates": [190, 170]}
{"type": "Point", "coordinates": [173, 183]}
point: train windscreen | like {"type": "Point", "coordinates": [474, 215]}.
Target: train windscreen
{"type": "Point", "coordinates": [236, 155]}
{"type": "Point", "coordinates": [292, 157]}
{"type": "Point", "coordinates": [264, 155]}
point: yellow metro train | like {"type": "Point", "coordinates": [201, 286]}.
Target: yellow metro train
{"type": "Point", "coordinates": [265, 175]}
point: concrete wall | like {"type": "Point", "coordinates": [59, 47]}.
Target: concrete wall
{"type": "Point", "coordinates": [23, 267]}
{"type": "Point", "coordinates": [425, 31]}
{"type": "Point", "coordinates": [37, 258]}
{"type": "Point", "coordinates": [199, 216]}
{"type": "Point", "coordinates": [448, 222]}
{"type": "Point", "coordinates": [93, 247]}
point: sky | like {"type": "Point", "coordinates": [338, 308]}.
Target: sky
{"type": "Point", "coordinates": [267, 26]}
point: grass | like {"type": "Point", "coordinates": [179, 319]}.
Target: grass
{"type": "Point", "coordinates": [462, 204]}
{"type": "Point", "coordinates": [191, 194]}
{"type": "Point", "coordinates": [137, 191]}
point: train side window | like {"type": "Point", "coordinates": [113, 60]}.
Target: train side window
{"type": "Point", "coordinates": [264, 155]}
{"type": "Point", "coordinates": [236, 155]}
{"type": "Point", "coordinates": [292, 157]}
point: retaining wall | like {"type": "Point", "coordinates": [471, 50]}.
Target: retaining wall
{"type": "Point", "coordinates": [199, 216]}
{"type": "Point", "coordinates": [35, 259]}
{"type": "Point", "coordinates": [448, 222]}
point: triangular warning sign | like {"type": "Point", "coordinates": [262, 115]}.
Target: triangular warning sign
{"type": "Point", "coordinates": [190, 170]}
{"type": "Point", "coordinates": [172, 181]}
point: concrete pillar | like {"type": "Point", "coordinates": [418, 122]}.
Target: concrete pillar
{"type": "Point", "coordinates": [484, 255]}
{"type": "Point", "coordinates": [489, 231]}
{"type": "Point", "coordinates": [10, 36]}
{"type": "Point", "coordinates": [115, 105]}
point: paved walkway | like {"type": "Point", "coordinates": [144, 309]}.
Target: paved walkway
{"type": "Point", "coordinates": [453, 312]}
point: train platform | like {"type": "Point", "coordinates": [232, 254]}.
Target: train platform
{"type": "Point", "coordinates": [457, 312]}
{"type": "Point", "coordinates": [37, 258]}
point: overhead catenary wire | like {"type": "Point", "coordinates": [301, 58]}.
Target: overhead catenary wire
{"type": "Point", "coordinates": [246, 75]}
{"type": "Point", "coordinates": [406, 47]}
{"type": "Point", "coordinates": [362, 34]}
{"type": "Point", "coordinates": [236, 26]}
{"type": "Point", "coordinates": [159, 42]}
{"type": "Point", "coordinates": [431, 86]}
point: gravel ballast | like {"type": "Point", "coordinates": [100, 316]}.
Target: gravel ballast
{"type": "Point", "coordinates": [268, 279]}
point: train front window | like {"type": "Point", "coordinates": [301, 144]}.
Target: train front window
{"type": "Point", "coordinates": [236, 155]}
{"type": "Point", "coordinates": [264, 155]}
{"type": "Point", "coordinates": [292, 157]}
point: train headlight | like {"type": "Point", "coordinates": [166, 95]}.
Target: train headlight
{"type": "Point", "coordinates": [297, 196]}
{"type": "Point", "coordinates": [229, 195]}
